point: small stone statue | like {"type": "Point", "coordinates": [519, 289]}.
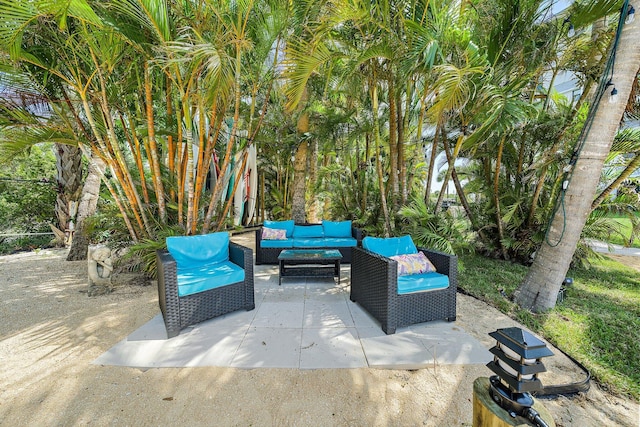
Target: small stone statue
{"type": "Point", "coordinates": [100, 266]}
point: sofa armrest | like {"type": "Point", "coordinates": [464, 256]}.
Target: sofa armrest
{"type": "Point", "coordinates": [358, 234]}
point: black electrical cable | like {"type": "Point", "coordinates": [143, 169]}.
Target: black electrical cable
{"type": "Point", "coordinates": [604, 83]}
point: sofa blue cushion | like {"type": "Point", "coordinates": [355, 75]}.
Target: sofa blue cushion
{"type": "Point", "coordinates": [308, 242]}
{"type": "Point", "coordinates": [336, 229]}
{"type": "Point", "coordinates": [202, 278]}
{"type": "Point", "coordinates": [390, 246]}
{"type": "Point", "coordinates": [422, 282]}
{"type": "Point", "coordinates": [288, 243]}
{"type": "Point", "coordinates": [339, 242]}
{"type": "Point", "coordinates": [283, 225]}
{"type": "Point", "coordinates": [195, 251]}
{"type": "Point", "coordinates": [306, 231]}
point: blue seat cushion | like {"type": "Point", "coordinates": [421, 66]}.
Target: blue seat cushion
{"type": "Point", "coordinates": [283, 225]}
{"type": "Point", "coordinates": [309, 242]}
{"type": "Point", "coordinates": [422, 282]}
{"type": "Point", "coordinates": [198, 250]}
{"type": "Point", "coordinates": [390, 246]}
{"type": "Point", "coordinates": [288, 243]}
{"type": "Point", "coordinates": [336, 228]}
{"type": "Point", "coordinates": [305, 231]}
{"type": "Point", "coordinates": [339, 242]}
{"type": "Point", "coordinates": [205, 277]}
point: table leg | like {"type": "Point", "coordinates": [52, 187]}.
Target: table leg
{"type": "Point", "coordinates": [280, 271]}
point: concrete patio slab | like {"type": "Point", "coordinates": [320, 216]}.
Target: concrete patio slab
{"type": "Point", "coordinates": [303, 324]}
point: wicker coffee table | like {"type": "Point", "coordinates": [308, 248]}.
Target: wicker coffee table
{"type": "Point", "coordinates": [309, 263]}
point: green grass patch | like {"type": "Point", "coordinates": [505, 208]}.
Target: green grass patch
{"type": "Point", "coordinates": [598, 323]}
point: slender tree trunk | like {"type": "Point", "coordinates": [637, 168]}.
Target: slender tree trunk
{"type": "Point", "coordinates": [86, 207]}
{"type": "Point", "coordinates": [538, 292]}
{"type": "Point", "coordinates": [154, 160]}
{"type": "Point", "coordinates": [403, 124]}
{"type": "Point", "coordinates": [376, 130]}
{"type": "Point", "coordinates": [432, 165]}
{"type": "Point", "coordinates": [393, 145]}
{"type": "Point", "coordinates": [298, 199]}
{"type": "Point", "coordinates": [313, 179]}
{"type": "Point", "coordinates": [626, 173]}
{"type": "Point", "coordinates": [69, 177]}
{"type": "Point", "coordinates": [496, 198]}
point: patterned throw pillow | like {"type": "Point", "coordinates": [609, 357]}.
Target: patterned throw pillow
{"type": "Point", "coordinates": [413, 264]}
{"type": "Point", "coordinates": [274, 234]}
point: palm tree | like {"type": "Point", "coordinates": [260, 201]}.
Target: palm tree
{"type": "Point", "coordinates": [538, 291]}
{"type": "Point", "coordinates": [185, 89]}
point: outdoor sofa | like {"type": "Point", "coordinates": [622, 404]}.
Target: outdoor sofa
{"type": "Point", "coordinates": [275, 236]}
{"type": "Point", "coordinates": [201, 277]}
{"type": "Point", "coordinates": [420, 292]}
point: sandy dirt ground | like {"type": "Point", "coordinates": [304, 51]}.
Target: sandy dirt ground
{"type": "Point", "coordinates": [52, 331]}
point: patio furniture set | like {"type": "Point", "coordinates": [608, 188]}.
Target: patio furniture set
{"type": "Point", "coordinates": [205, 276]}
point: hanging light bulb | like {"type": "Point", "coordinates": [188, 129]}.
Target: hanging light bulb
{"type": "Point", "coordinates": [613, 96]}
{"type": "Point", "coordinates": [631, 15]}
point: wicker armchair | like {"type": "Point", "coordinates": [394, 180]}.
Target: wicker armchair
{"type": "Point", "coordinates": [374, 286]}
{"type": "Point", "coordinates": [181, 311]}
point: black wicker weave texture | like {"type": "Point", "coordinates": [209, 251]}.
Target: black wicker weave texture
{"type": "Point", "coordinates": [179, 312]}
{"type": "Point", "coordinates": [374, 285]}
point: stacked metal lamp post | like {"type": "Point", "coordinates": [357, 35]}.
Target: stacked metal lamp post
{"type": "Point", "coordinates": [517, 363]}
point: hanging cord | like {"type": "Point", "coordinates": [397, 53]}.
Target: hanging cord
{"type": "Point", "coordinates": [604, 83]}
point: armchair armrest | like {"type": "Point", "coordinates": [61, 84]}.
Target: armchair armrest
{"type": "Point", "coordinates": [258, 238]}
{"type": "Point", "coordinates": [168, 291]}
{"type": "Point", "coordinates": [243, 256]}
{"type": "Point", "coordinates": [374, 282]}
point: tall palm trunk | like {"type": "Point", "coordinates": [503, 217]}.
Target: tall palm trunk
{"type": "Point", "coordinates": [539, 290]}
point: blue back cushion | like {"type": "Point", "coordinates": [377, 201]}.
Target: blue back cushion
{"type": "Point", "coordinates": [390, 246]}
{"type": "Point", "coordinates": [196, 251]}
{"type": "Point", "coordinates": [303, 231]}
{"type": "Point", "coordinates": [283, 225]}
{"type": "Point", "coordinates": [336, 229]}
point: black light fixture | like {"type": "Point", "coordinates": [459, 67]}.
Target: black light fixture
{"type": "Point", "coordinates": [516, 363]}
{"type": "Point", "coordinates": [568, 281]}
{"type": "Point", "coordinates": [631, 15]}
{"type": "Point", "coordinates": [613, 96]}
{"type": "Point", "coordinates": [571, 30]}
